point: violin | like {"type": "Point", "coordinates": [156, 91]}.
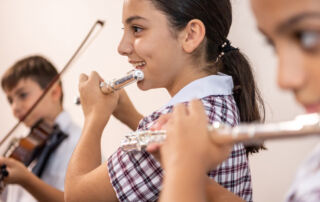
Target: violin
{"type": "Point", "coordinates": [25, 149]}
{"type": "Point", "coordinates": [43, 137]}
{"type": "Point", "coordinates": [42, 140]}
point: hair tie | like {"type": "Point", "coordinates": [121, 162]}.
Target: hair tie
{"type": "Point", "coordinates": [225, 48]}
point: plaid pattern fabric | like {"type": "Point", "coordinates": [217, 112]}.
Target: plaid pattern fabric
{"type": "Point", "coordinates": [137, 176]}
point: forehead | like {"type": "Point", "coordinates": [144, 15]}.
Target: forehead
{"type": "Point", "coordinates": [24, 84]}
{"type": "Point", "coordinates": [142, 8]}
{"type": "Point", "coordinates": [270, 13]}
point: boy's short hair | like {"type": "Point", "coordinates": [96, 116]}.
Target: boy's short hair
{"type": "Point", "coordinates": [37, 68]}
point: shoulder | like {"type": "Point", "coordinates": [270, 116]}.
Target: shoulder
{"type": "Point", "coordinates": [147, 121]}
{"type": "Point", "coordinates": [222, 108]}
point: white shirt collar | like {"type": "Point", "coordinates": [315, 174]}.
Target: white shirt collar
{"type": "Point", "coordinates": [220, 84]}
{"type": "Point", "coordinates": [63, 120]}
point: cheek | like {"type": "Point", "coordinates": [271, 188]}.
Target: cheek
{"type": "Point", "coordinates": [144, 48]}
{"type": "Point", "coordinates": [29, 103]}
{"type": "Point", "coordinates": [289, 55]}
{"type": "Point", "coordinates": [39, 109]}
{"type": "Point", "coordinates": [38, 113]}
{"type": "Point", "coordinates": [153, 54]}
{"type": "Point", "coordinates": [24, 107]}
{"type": "Point", "coordinates": [313, 68]}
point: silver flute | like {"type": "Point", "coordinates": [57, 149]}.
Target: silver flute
{"type": "Point", "coordinates": [254, 133]}
{"type": "Point", "coordinates": [116, 84]}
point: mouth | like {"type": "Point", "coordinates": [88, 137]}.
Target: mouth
{"type": "Point", "coordinates": [312, 108]}
{"type": "Point", "coordinates": [19, 116]}
{"type": "Point", "coordinates": [138, 65]}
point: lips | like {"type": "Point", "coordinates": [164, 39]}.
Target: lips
{"type": "Point", "coordinates": [18, 116]}
{"type": "Point", "coordinates": [312, 108]}
{"type": "Point", "coordinates": [138, 64]}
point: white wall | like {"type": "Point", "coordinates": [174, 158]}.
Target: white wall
{"type": "Point", "coordinates": [56, 28]}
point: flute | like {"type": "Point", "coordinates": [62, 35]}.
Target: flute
{"type": "Point", "coordinates": [250, 134]}
{"type": "Point", "coordinates": [116, 84]}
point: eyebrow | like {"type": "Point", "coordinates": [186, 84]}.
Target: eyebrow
{"type": "Point", "coordinates": [19, 90]}
{"type": "Point", "coordinates": [295, 20]}
{"type": "Point", "coordinates": [132, 18]}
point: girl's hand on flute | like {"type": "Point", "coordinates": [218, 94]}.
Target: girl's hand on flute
{"type": "Point", "coordinates": [188, 143]}
{"type": "Point", "coordinates": [96, 105]}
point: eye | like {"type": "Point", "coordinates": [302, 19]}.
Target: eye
{"type": "Point", "coordinates": [309, 40]}
{"type": "Point", "coordinates": [10, 100]}
{"type": "Point", "coordinates": [136, 29]}
{"type": "Point", "coordinates": [23, 95]}
{"type": "Point", "coordinates": [269, 42]}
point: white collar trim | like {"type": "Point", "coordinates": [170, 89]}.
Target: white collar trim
{"type": "Point", "coordinates": [220, 84]}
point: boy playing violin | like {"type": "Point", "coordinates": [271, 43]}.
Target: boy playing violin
{"type": "Point", "coordinates": [23, 84]}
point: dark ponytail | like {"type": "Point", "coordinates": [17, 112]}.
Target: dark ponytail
{"type": "Point", "coordinates": [246, 94]}
{"type": "Point", "coordinates": [216, 16]}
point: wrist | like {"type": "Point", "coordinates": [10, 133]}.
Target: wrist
{"type": "Point", "coordinates": [97, 121]}
{"type": "Point", "coordinates": [134, 122]}
{"type": "Point", "coordinates": [179, 163]}
{"type": "Point", "coordinates": [192, 171]}
{"type": "Point", "coordinates": [130, 118]}
{"type": "Point", "coordinates": [184, 178]}
{"type": "Point", "coordinates": [27, 179]}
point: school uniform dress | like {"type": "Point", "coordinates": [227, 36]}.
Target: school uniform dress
{"type": "Point", "coordinates": [306, 186]}
{"type": "Point", "coordinates": [56, 168]}
{"type": "Point", "coordinates": [137, 176]}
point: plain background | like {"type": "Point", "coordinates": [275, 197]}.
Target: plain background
{"type": "Point", "coordinates": [56, 28]}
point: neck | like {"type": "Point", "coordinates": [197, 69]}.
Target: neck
{"type": "Point", "coordinates": [188, 75]}
{"type": "Point", "coordinates": [54, 114]}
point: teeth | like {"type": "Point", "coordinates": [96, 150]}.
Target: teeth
{"type": "Point", "coordinates": [138, 64]}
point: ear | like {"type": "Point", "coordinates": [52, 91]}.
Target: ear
{"type": "Point", "coordinates": [56, 92]}
{"type": "Point", "coordinates": [193, 35]}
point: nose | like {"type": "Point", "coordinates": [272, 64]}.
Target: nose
{"type": "Point", "coordinates": [125, 46]}
{"type": "Point", "coordinates": [16, 108]}
{"type": "Point", "coordinates": [291, 70]}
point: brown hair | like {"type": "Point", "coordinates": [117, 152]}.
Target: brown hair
{"type": "Point", "coordinates": [216, 16]}
{"type": "Point", "coordinates": [37, 68]}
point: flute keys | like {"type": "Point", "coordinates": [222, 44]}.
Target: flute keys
{"type": "Point", "coordinates": [138, 75]}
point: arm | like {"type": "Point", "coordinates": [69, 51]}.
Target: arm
{"type": "Point", "coordinates": [87, 179]}
{"type": "Point", "coordinates": [183, 185]}
{"type": "Point", "coordinates": [19, 174]}
{"type": "Point", "coordinates": [126, 112]}
{"type": "Point", "coordinates": [195, 187]}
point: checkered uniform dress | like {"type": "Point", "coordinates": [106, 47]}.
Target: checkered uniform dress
{"type": "Point", "coordinates": [137, 176]}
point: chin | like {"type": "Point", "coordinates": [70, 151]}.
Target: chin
{"type": "Point", "coordinates": [27, 124]}
{"type": "Point", "coordinates": [143, 86]}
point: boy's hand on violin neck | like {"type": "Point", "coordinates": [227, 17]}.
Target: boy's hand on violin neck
{"type": "Point", "coordinates": [18, 172]}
